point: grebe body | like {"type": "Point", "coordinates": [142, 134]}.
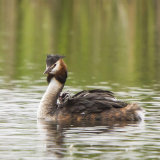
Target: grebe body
{"type": "Point", "coordinates": [86, 105]}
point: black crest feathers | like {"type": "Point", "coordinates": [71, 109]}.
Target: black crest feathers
{"type": "Point", "coordinates": [51, 59]}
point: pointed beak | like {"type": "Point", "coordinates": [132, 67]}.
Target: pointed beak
{"type": "Point", "coordinates": [47, 70]}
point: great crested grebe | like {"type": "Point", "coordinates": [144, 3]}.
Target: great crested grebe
{"type": "Point", "coordinates": [86, 105]}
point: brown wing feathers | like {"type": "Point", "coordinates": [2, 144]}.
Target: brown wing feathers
{"type": "Point", "coordinates": [93, 101]}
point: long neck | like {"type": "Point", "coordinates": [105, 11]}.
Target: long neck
{"type": "Point", "coordinates": [49, 100]}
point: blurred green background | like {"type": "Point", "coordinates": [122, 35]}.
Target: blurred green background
{"type": "Point", "coordinates": [115, 41]}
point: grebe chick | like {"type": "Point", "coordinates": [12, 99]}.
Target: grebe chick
{"type": "Point", "coordinates": [86, 105]}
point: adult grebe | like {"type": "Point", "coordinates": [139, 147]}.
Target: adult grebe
{"type": "Point", "coordinates": [86, 105]}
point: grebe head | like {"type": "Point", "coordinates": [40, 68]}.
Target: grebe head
{"type": "Point", "coordinates": [55, 67]}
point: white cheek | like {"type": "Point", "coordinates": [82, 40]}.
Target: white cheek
{"type": "Point", "coordinates": [55, 69]}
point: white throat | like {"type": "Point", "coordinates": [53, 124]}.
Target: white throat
{"type": "Point", "coordinates": [49, 99]}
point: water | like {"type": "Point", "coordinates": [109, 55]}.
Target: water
{"type": "Point", "coordinates": [110, 45]}
{"type": "Point", "coordinates": [23, 138]}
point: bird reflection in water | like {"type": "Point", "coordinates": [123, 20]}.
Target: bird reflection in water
{"type": "Point", "coordinates": [55, 133]}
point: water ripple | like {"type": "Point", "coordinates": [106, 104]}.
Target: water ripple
{"type": "Point", "coordinates": [21, 136]}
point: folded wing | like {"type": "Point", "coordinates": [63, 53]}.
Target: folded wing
{"type": "Point", "coordinates": [92, 101]}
